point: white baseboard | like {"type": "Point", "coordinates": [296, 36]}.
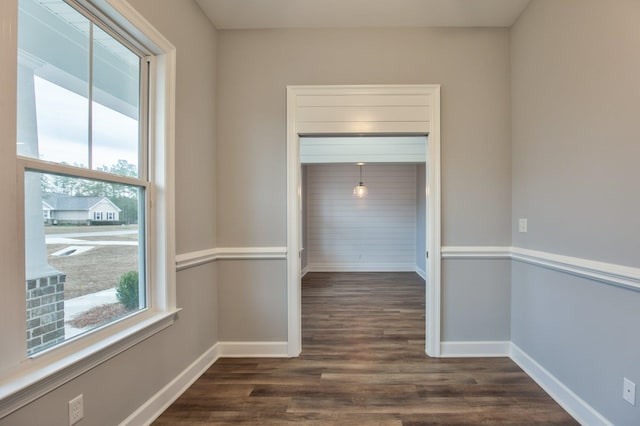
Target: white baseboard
{"type": "Point", "coordinates": [572, 403]}
{"type": "Point", "coordinates": [421, 272]}
{"type": "Point", "coordinates": [158, 403]}
{"type": "Point", "coordinates": [474, 349]}
{"type": "Point", "coordinates": [304, 272]}
{"type": "Point", "coordinates": [253, 349]}
{"type": "Point", "coordinates": [361, 267]}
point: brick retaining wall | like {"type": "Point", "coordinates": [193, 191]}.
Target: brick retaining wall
{"type": "Point", "coordinates": [45, 312]}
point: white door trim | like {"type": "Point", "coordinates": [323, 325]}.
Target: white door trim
{"type": "Point", "coordinates": [431, 124]}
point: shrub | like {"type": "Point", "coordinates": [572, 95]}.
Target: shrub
{"type": "Point", "coordinates": [127, 290]}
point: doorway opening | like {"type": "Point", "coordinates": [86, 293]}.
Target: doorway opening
{"type": "Point", "coordinates": [382, 231]}
{"type": "Point", "coordinates": [367, 112]}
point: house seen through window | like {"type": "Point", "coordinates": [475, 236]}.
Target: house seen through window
{"type": "Point", "coordinates": [82, 143]}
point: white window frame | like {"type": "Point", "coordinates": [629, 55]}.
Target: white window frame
{"type": "Point", "coordinates": [97, 215]}
{"type": "Point", "coordinates": [24, 379]}
{"type": "Point", "coordinates": [111, 216]}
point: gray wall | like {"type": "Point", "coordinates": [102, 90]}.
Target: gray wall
{"type": "Point", "coordinates": [575, 68]}
{"type": "Point", "coordinates": [476, 300]}
{"type": "Point", "coordinates": [254, 68]}
{"type": "Point", "coordinates": [575, 139]}
{"type": "Point", "coordinates": [253, 301]}
{"type": "Point", "coordinates": [118, 387]}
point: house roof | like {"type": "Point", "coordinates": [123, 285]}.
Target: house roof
{"type": "Point", "coordinates": [73, 202]}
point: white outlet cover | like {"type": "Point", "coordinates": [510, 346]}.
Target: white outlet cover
{"type": "Point", "coordinates": [76, 410]}
{"type": "Point", "coordinates": [522, 225]}
{"type": "Point", "coordinates": [629, 391]}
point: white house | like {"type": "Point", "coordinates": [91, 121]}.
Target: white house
{"type": "Point", "coordinates": [59, 208]}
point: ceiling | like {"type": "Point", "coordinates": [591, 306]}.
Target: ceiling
{"type": "Point", "coordinates": [255, 14]}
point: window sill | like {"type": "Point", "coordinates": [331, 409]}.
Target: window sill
{"type": "Point", "coordinates": [43, 373]}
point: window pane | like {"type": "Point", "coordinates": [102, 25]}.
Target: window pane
{"type": "Point", "coordinates": [116, 94]}
{"type": "Point", "coordinates": [53, 82]}
{"type": "Point", "coordinates": [84, 255]}
{"type": "Point", "coordinates": [61, 56]}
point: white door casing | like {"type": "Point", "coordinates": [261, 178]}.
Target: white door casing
{"type": "Point", "coordinates": [361, 110]}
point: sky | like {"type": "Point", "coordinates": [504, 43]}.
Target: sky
{"type": "Point", "coordinates": [62, 118]}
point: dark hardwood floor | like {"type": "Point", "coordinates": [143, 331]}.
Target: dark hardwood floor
{"type": "Point", "coordinates": [363, 363]}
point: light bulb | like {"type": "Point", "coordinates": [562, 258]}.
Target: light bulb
{"type": "Point", "coordinates": [360, 190]}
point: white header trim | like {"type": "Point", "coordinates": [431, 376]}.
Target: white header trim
{"type": "Point", "coordinates": [366, 149]}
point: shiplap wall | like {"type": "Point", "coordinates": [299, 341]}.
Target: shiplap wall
{"type": "Point", "coordinates": [365, 113]}
{"type": "Point", "coordinates": [346, 233]}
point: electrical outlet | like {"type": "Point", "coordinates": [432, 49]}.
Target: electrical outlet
{"type": "Point", "coordinates": [629, 391]}
{"type": "Point", "coordinates": [76, 410]}
{"type": "Point", "coordinates": [522, 225]}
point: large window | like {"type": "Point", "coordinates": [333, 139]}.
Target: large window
{"type": "Point", "coordinates": [91, 250]}
{"type": "Point", "coordinates": [81, 100]}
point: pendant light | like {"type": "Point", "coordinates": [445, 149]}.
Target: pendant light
{"type": "Point", "coordinates": [360, 190]}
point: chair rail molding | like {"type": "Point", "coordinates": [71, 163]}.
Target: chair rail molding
{"type": "Point", "coordinates": [608, 273]}
{"type": "Point", "coordinates": [476, 252]}
{"type": "Point", "coordinates": [201, 257]}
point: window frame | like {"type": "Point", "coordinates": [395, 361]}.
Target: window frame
{"type": "Point", "coordinates": [26, 378]}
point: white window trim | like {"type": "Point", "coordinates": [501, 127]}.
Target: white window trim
{"type": "Point", "coordinates": [33, 377]}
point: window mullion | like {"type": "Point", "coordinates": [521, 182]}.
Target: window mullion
{"type": "Point", "coordinates": [90, 98]}
{"type": "Point", "coordinates": [144, 134]}
{"type": "Point", "coordinates": [33, 164]}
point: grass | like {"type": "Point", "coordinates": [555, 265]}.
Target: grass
{"type": "Point", "coordinates": [97, 269]}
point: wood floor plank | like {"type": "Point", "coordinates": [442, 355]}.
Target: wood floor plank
{"type": "Point", "coordinates": [363, 363]}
